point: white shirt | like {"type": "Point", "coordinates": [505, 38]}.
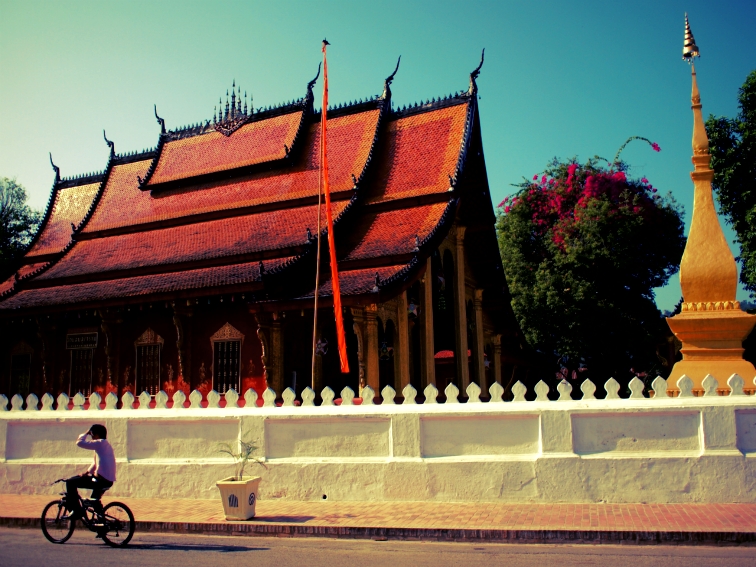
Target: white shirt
{"type": "Point", "coordinates": [104, 464]}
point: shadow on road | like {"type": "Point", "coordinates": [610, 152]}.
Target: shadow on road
{"type": "Point", "coordinates": [284, 519]}
{"type": "Point", "coordinates": [189, 547]}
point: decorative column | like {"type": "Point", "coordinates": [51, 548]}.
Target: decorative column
{"type": "Point", "coordinates": [110, 324]}
{"type": "Point", "coordinates": [46, 333]}
{"type": "Point", "coordinates": [271, 336]}
{"type": "Point", "coordinates": [496, 362]}
{"type": "Point", "coordinates": [358, 325]}
{"type": "Point", "coordinates": [371, 351]}
{"type": "Point", "coordinates": [479, 356]}
{"type": "Point", "coordinates": [182, 320]}
{"type": "Point", "coordinates": [401, 373]}
{"type": "Point", "coordinates": [427, 348]}
{"type": "Point", "coordinates": [711, 326]}
{"type": "Point", "coordinates": [463, 374]}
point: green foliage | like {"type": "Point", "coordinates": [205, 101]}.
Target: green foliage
{"type": "Point", "coordinates": [732, 142]}
{"type": "Point", "coordinates": [241, 456]}
{"type": "Point", "coordinates": [583, 247]}
{"type": "Point", "coordinates": [18, 223]}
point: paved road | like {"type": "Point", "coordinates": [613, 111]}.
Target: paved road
{"type": "Point", "coordinates": [28, 548]}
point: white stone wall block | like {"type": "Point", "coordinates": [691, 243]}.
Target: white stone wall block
{"type": "Point", "coordinates": [195, 399]}
{"type": "Point", "coordinates": [327, 396]}
{"type": "Point", "coordinates": [308, 397]}
{"type": "Point", "coordinates": [78, 401]}
{"type": "Point", "coordinates": [452, 394]}
{"type": "Point", "coordinates": [659, 386]}
{"type": "Point", "coordinates": [612, 389]}
{"type": "Point", "coordinates": [232, 398]}
{"type": "Point", "coordinates": [179, 397]}
{"type": "Point", "coordinates": [589, 390]}
{"type": "Point", "coordinates": [710, 385]}
{"type": "Point", "coordinates": [473, 393]}
{"type": "Point", "coordinates": [409, 394]}
{"type": "Point", "coordinates": [3, 402]}
{"type": "Point", "coordinates": [127, 401]}
{"type": "Point", "coordinates": [736, 383]}
{"type": "Point", "coordinates": [94, 401]}
{"type": "Point", "coordinates": [144, 401]}
{"type": "Point", "coordinates": [542, 391]}
{"type": "Point", "coordinates": [685, 385]}
{"type": "Point", "coordinates": [368, 395]}
{"type": "Point", "coordinates": [636, 386]}
{"type": "Point", "coordinates": [431, 394]}
{"type": "Point", "coordinates": [47, 402]}
{"type": "Point", "coordinates": [518, 391]}
{"type": "Point", "coordinates": [62, 402]}
{"type": "Point", "coordinates": [250, 398]}
{"type": "Point", "coordinates": [111, 401]}
{"type": "Point", "coordinates": [161, 400]}
{"type": "Point", "coordinates": [31, 402]}
{"type": "Point", "coordinates": [347, 396]}
{"type": "Point", "coordinates": [565, 391]}
{"type": "Point", "coordinates": [388, 394]}
{"type": "Point", "coordinates": [496, 391]}
{"type": "Point", "coordinates": [17, 402]}
{"type": "Point", "coordinates": [288, 396]}
{"type": "Point", "coordinates": [269, 398]}
{"type": "Point", "coordinates": [213, 399]}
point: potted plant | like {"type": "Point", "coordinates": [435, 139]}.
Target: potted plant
{"type": "Point", "coordinates": [239, 492]}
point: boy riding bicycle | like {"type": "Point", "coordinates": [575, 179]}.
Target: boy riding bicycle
{"type": "Point", "coordinates": [100, 475]}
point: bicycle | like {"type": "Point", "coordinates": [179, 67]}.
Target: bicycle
{"type": "Point", "coordinates": [114, 523]}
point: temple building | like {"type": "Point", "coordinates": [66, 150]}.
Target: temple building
{"type": "Point", "coordinates": [192, 265]}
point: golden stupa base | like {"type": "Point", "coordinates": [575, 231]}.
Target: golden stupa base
{"type": "Point", "coordinates": [712, 344]}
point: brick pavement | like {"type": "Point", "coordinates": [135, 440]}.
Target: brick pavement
{"type": "Point", "coordinates": [692, 523]}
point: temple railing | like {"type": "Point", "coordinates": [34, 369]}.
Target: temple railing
{"type": "Point", "coordinates": [736, 386]}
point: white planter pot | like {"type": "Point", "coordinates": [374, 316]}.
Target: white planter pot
{"type": "Point", "coordinates": [239, 497]}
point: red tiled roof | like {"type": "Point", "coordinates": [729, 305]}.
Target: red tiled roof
{"type": "Point", "coordinates": [253, 143]}
{"type": "Point", "coordinates": [140, 285]}
{"type": "Point", "coordinates": [349, 140]}
{"type": "Point", "coordinates": [393, 232]}
{"type": "Point", "coordinates": [354, 282]}
{"type": "Point", "coordinates": [71, 205]}
{"type": "Point", "coordinates": [420, 153]}
{"type": "Point", "coordinates": [232, 236]}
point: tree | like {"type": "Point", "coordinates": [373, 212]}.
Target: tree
{"type": "Point", "coordinates": [18, 223]}
{"type": "Point", "coordinates": [583, 246]}
{"type": "Point", "coordinates": [732, 143]}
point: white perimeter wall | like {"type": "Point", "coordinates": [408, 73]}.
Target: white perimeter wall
{"type": "Point", "coordinates": [681, 449]}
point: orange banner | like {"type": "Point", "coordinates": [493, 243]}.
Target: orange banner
{"type": "Point", "coordinates": [340, 336]}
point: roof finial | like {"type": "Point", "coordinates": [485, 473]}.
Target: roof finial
{"type": "Point", "coordinates": [474, 75]}
{"type": "Point", "coordinates": [109, 143]}
{"type": "Point", "coordinates": [690, 49]}
{"type": "Point", "coordinates": [389, 80]}
{"type": "Point", "coordinates": [160, 121]}
{"type": "Point", "coordinates": [311, 84]}
{"type": "Point", "coordinates": [233, 100]}
{"type": "Point", "coordinates": [55, 168]}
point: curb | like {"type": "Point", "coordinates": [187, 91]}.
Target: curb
{"type": "Point", "coordinates": [432, 534]}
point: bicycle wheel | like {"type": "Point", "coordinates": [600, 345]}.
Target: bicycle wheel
{"type": "Point", "coordinates": [56, 524]}
{"type": "Point", "coordinates": [118, 525]}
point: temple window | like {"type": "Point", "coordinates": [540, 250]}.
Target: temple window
{"type": "Point", "coordinates": [81, 346]}
{"type": "Point", "coordinates": [227, 343]}
{"type": "Point", "coordinates": [148, 350]}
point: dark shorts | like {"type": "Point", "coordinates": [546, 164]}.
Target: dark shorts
{"type": "Point", "coordinates": [97, 484]}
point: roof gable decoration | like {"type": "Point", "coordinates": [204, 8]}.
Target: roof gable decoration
{"type": "Point", "coordinates": [149, 337]}
{"type": "Point", "coordinates": [235, 115]}
{"type": "Point", "coordinates": [227, 333]}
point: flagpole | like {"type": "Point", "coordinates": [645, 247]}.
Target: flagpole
{"type": "Point", "coordinates": [317, 260]}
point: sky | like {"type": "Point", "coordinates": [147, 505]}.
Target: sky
{"type": "Point", "coordinates": [560, 79]}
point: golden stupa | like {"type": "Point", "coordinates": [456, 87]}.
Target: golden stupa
{"type": "Point", "coordinates": [711, 326]}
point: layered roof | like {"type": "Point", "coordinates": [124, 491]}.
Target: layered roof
{"type": "Point", "coordinates": [228, 206]}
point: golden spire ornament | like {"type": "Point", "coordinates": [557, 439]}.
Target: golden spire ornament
{"type": "Point", "coordinates": [711, 325]}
